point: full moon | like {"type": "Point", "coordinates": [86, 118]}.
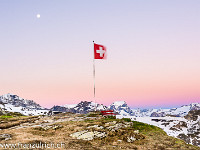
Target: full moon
{"type": "Point", "coordinates": [38, 15]}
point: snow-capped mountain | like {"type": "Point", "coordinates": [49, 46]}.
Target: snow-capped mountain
{"type": "Point", "coordinates": [85, 107]}
{"type": "Point", "coordinates": [82, 107]}
{"type": "Point", "coordinates": [70, 106]}
{"type": "Point", "coordinates": [176, 112]}
{"type": "Point", "coordinates": [18, 101]}
{"type": "Point", "coordinates": [121, 107]}
{"type": "Point", "coordinates": [13, 103]}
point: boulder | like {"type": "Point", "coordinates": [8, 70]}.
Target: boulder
{"type": "Point", "coordinates": [86, 135]}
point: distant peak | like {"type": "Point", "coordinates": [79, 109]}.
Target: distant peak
{"type": "Point", "coordinates": [7, 95]}
{"type": "Point", "coordinates": [70, 105]}
{"type": "Point", "coordinates": [195, 104]}
{"type": "Point", "coordinates": [119, 103]}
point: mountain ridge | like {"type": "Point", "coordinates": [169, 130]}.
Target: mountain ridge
{"type": "Point", "coordinates": [16, 103]}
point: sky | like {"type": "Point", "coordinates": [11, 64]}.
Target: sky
{"type": "Point", "coordinates": [153, 51]}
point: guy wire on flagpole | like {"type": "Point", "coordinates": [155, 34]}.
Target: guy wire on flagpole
{"type": "Point", "coordinates": [94, 78]}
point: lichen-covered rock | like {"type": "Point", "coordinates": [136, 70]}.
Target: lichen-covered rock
{"type": "Point", "coordinates": [119, 126]}
{"type": "Point", "coordinates": [95, 127]}
{"type": "Point", "coordinates": [136, 131]}
{"type": "Point", "coordinates": [131, 139]}
{"type": "Point", "coordinates": [5, 137]}
{"type": "Point", "coordinates": [86, 135]}
{"type": "Point", "coordinates": [110, 123]}
{"type": "Point", "coordinates": [54, 127]}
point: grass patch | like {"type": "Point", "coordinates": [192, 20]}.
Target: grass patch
{"type": "Point", "coordinates": [10, 115]}
{"type": "Point", "coordinates": [126, 119]}
{"type": "Point", "coordinates": [89, 120]}
{"type": "Point", "coordinates": [110, 117]}
{"type": "Point", "coordinates": [146, 128]}
{"type": "Point", "coordinates": [5, 117]}
{"type": "Point", "coordinates": [14, 114]}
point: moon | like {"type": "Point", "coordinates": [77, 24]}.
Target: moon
{"type": "Point", "coordinates": [38, 15]}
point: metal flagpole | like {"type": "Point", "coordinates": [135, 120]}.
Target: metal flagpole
{"type": "Point", "coordinates": [94, 78]}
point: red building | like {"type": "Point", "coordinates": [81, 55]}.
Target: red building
{"type": "Point", "coordinates": [108, 112]}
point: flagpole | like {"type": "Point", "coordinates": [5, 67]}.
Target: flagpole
{"type": "Point", "coordinates": [94, 78]}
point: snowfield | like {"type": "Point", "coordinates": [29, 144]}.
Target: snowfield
{"type": "Point", "coordinates": [23, 110]}
{"type": "Point", "coordinates": [173, 126]}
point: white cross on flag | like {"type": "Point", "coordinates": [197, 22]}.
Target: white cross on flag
{"type": "Point", "coordinates": [99, 51]}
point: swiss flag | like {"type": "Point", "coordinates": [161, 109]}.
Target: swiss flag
{"type": "Point", "coordinates": [99, 51]}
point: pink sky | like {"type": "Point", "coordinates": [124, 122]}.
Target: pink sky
{"type": "Point", "coordinates": [153, 51]}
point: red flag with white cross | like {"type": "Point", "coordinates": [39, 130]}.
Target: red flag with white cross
{"type": "Point", "coordinates": [99, 51]}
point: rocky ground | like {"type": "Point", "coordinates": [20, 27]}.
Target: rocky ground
{"type": "Point", "coordinates": [77, 131]}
